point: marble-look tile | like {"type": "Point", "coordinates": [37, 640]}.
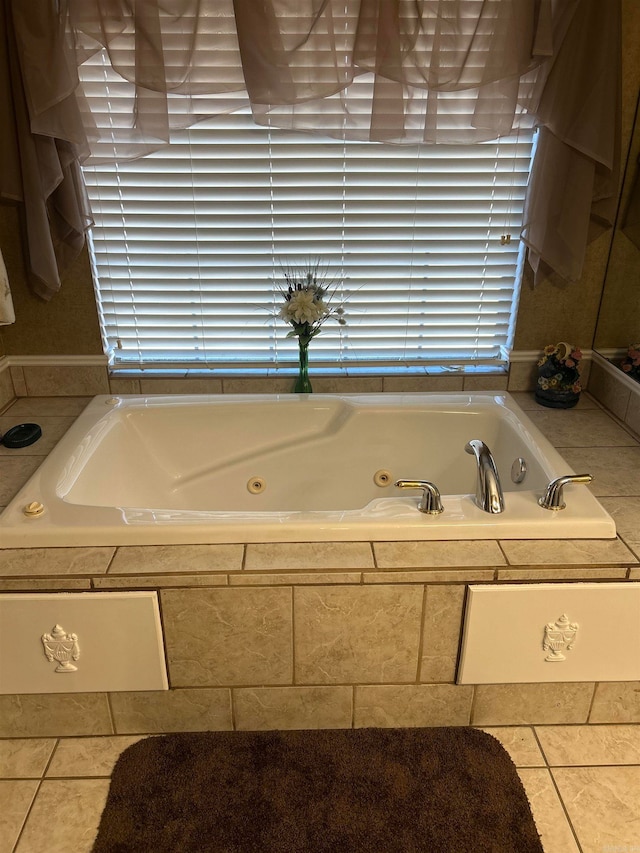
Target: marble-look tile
{"type": "Point", "coordinates": [62, 381]}
{"type": "Point", "coordinates": [346, 384]}
{"type": "Point", "coordinates": [603, 806]}
{"type": "Point", "coordinates": [408, 705]}
{"type": "Point", "coordinates": [53, 428]}
{"type": "Point", "coordinates": [563, 552]}
{"type": "Point", "coordinates": [25, 758]}
{"type": "Point", "coordinates": [548, 814]}
{"type": "Point", "coordinates": [625, 513]}
{"type": "Point", "coordinates": [16, 798]}
{"type": "Point", "coordinates": [441, 632]}
{"type": "Point", "coordinates": [88, 756]}
{"type": "Point", "coordinates": [36, 407]}
{"type": "Point", "coordinates": [529, 704]}
{"type": "Point", "coordinates": [488, 382]}
{"type": "Point", "coordinates": [413, 384]}
{"type": "Point", "coordinates": [576, 428]}
{"type": "Point", "coordinates": [357, 634]}
{"type": "Point", "coordinates": [54, 715]}
{"type": "Point", "coordinates": [228, 637]}
{"type": "Point", "coordinates": [424, 555]}
{"type": "Point", "coordinates": [615, 470]}
{"type": "Point", "coordinates": [183, 385]}
{"type": "Point", "coordinates": [119, 385]}
{"type": "Point", "coordinates": [522, 376]}
{"type": "Point", "coordinates": [148, 559]}
{"type": "Point", "coordinates": [65, 816]}
{"type": "Point", "coordinates": [262, 708]}
{"type": "Point", "coordinates": [632, 418]}
{"type": "Point", "coordinates": [17, 378]}
{"type": "Point", "coordinates": [616, 702]}
{"type": "Point", "coordinates": [521, 744]}
{"type": "Point", "coordinates": [258, 384]}
{"type": "Point", "coordinates": [319, 555]}
{"type": "Point", "coordinates": [580, 745]}
{"type": "Point", "coordinates": [291, 578]}
{"type": "Point", "coordinates": [14, 473]}
{"type": "Point", "coordinates": [44, 584]}
{"type": "Point", "coordinates": [7, 393]}
{"type": "Point", "coordinates": [430, 576]}
{"type": "Point", "coordinates": [25, 562]}
{"type": "Point", "coordinates": [154, 712]}
{"type": "Point", "coordinates": [608, 391]}
{"type": "Point", "coordinates": [528, 403]}
{"type": "Point", "coordinates": [560, 573]}
{"type": "Point", "coordinates": [165, 581]}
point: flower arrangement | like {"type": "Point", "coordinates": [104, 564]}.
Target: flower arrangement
{"type": "Point", "coordinates": [631, 363]}
{"type": "Point", "coordinates": [307, 301]}
{"type": "Point", "coordinates": [558, 384]}
{"type": "Point", "coordinates": [308, 296]}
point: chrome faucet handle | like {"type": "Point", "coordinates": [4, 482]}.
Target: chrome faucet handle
{"type": "Point", "coordinates": [553, 497]}
{"type": "Point", "coordinates": [430, 502]}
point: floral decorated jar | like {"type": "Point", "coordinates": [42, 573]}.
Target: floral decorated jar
{"type": "Point", "coordinates": [631, 363]}
{"type": "Point", "coordinates": [558, 384]}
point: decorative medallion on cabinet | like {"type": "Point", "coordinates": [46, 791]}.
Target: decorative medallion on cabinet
{"type": "Point", "coordinates": [551, 632]}
{"type": "Point", "coordinates": [81, 642]}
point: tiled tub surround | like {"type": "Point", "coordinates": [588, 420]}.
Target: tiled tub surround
{"type": "Point", "coordinates": [293, 635]}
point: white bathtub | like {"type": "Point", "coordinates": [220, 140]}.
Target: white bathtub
{"type": "Point", "coordinates": [252, 468]}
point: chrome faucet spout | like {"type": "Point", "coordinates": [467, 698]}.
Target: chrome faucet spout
{"type": "Point", "coordinates": [489, 495]}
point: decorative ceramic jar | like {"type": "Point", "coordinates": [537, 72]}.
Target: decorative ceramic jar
{"type": "Point", "coordinates": [558, 384]}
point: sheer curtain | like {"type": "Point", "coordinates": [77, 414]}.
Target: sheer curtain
{"type": "Point", "coordinates": [453, 71]}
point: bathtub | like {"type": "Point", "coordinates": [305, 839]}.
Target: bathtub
{"type": "Point", "coordinates": [254, 468]}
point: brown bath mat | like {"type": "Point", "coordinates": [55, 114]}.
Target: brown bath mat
{"type": "Point", "coordinates": [336, 791]}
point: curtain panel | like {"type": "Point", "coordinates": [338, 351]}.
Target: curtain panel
{"type": "Point", "coordinates": [394, 71]}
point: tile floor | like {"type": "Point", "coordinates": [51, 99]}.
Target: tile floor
{"type": "Point", "coordinates": [583, 783]}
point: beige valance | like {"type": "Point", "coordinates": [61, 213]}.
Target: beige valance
{"type": "Point", "coordinates": [398, 71]}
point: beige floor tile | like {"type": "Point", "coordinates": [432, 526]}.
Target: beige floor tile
{"type": "Point", "coordinates": [603, 804]}
{"type": "Point", "coordinates": [25, 562]}
{"type": "Point", "coordinates": [47, 406]}
{"type": "Point", "coordinates": [424, 555]}
{"type": "Point", "coordinates": [406, 705]}
{"type": "Point", "coordinates": [52, 431]}
{"type": "Point", "coordinates": [528, 704]}
{"type": "Point", "coordinates": [197, 710]}
{"type": "Point", "coordinates": [580, 745]}
{"type": "Point", "coordinates": [321, 555]}
{"type": "Point", "coordinates": [14, 473]}
{"type": "Point", "coordinates": [580, 428]}
{"type": "Point", "coordinates": [616, 702]}
{"type": "Point", "coordinates": [616, 470]}
{"type": "Point", "coordinates": [16, 797]}
{"type": "Point", "coordinates": [548, 813]}
{"type": "Point", "coordinates": [625, 513]}
{"type": "Point", "coordinates": [88, 756]}
{"type": "Point", "coordinates": [264, 708]}
{"type": "Point", "coordinates": [54, 715]}
{"type": "Point", "coordinates": [356, 634]}
{"type": "Point", "coordinates": [521, 744]}
{"type": "Point", "coordinates": [146, 559]}
{"type": "Point", "coordinates": [564, 552]}
{"type": "Point", "coordinates": [25, 758]}
{"type": "Point", "coordinates": [64, 817]}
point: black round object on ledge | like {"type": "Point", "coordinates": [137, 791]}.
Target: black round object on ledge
{"type": "Point", "coordinates": [21, 435]}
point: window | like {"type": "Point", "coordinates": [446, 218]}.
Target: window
{"type": "Point", "coordinates": [421, 240]}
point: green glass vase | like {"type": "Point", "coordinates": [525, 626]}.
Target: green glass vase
{"type": "Point", "coordinates": [303, 384]}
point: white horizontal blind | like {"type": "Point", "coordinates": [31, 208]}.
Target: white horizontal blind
{"type": "Point", "coordinates": [189, 240]}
